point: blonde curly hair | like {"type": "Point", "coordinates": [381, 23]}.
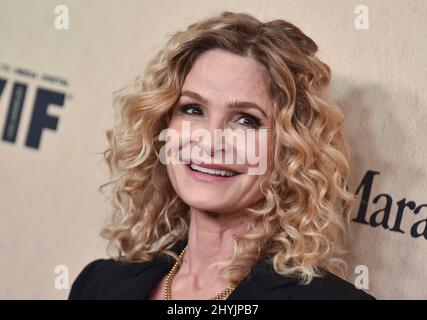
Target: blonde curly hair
{"type": "Point", "coordinates": [304, 221]}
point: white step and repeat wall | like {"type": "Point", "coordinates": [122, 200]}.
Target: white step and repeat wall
{"type": "Point", "coordinates": [56, 89]}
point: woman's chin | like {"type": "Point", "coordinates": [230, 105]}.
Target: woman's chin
{"type": "Point", "coordinates": [207, 204]}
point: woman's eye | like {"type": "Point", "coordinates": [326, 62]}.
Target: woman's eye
{"type": "Point", "coordinates": [244, 118]}
{"type": "Point", "coordinates": [191, 109]}
{"type": "Point", "coordinates": [249, 121]}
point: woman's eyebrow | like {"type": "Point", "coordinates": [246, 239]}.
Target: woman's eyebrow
{"type": "Point", "coordinates": [235, 104]}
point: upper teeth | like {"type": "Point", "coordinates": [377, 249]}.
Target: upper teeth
{"type": "Point", "coordinates": [212, 171]}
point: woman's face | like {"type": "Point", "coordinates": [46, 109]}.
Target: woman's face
{"type": "Point", "coordinates": [216, 80]}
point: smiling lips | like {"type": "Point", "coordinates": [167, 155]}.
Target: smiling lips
{"type": "Point", "coordinates": [211, 172]}
{"type": "Point", "coordinates": [218, 172]}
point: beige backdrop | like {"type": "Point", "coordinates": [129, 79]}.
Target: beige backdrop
{"type": "Point", "coordinates": [51, 211]}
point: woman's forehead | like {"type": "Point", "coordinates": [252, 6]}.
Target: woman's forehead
{"type": "Point", "coordinates": [230, 68]}
{"type": "Point", "coordinates": [219, 76]}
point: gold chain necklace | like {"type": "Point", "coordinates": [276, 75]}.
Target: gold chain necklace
{"type": "Point", "coordinates": [222, 295]}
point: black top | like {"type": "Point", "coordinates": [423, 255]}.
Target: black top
{"type": "Point", "coordinates": [110, 279]}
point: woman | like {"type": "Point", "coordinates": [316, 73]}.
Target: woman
{"type": "Point", "coordinates": [270, 226]}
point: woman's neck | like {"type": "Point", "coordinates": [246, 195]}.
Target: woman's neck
{"type": "Point", "coordinates": [210, 239]}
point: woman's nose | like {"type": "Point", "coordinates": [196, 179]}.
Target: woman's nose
{"type": "Point", "coordinates": [215, 122]}
{"type": "Point", "coordinates": [212, 142]}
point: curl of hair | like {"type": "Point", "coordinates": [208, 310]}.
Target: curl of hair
{"type": "Point", "coordinates": [304, 221]}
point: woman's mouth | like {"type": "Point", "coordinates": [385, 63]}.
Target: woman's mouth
{"type": "Point", "coordinates": [210, 175]}
{"type": "Point", "coordinates": [223, 173]}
